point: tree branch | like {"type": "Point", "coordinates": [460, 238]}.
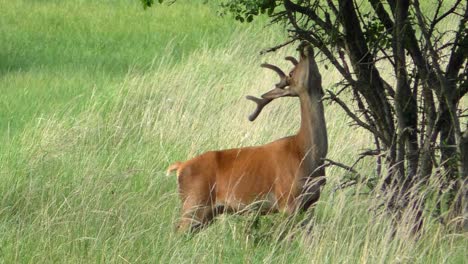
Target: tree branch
{"type": "Point", "coordinates": [436, 19]}
{"type": "Point", "coordinates": [277, 47]}
{"type": "Point", "coordinates": [354, 117]}
{"type": "Point", "coordinates": [458, 55]}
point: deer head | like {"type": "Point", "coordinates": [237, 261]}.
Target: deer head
{"type": "Point", "coordinates": [296, 83]}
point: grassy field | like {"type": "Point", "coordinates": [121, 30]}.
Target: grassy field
{"type": "Point", "coordinates": [98, 97]}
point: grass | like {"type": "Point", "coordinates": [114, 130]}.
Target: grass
{"type": "Point", "coordinates": [55, 51]}
{"type": "Point", "coordinates": [98, 97]}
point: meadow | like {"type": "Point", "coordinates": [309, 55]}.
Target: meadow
{"type": "Point", "coordinates": [99, 97]}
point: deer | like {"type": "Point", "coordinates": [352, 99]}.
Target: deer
{"type": "Point", "coordinates": [286, 175]}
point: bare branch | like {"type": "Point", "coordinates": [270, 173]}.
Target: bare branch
{"type": "Point", "coordinates": [436, 19]}
{"type": "Point", "coordinates": [411, 44]}
{"type": "Point", "coordinates": [309, 36]}
{"type": "Point", "coordinates": [382, 14]}
{"type": "Point", "coordinates": [345, 185]}
{"type": "Point", "coordinates": [343, 60]}
{"type": "Point", "coordinates": [427, 38]}
{"type": "Point", "coordinates": [436, 14]}
{"type": "Point", "coordinates": [366, 154]}
{"type": "Point", "coordinates": [354, 117]}
{"type": "Point", "coordinates": [341, 165]}
{"type": "Point", "coordinates": [277, 47]}
{"type": "Point", "coordinates": [458, 55]}
{"type": "Point", "coordinates": [332, 7]}
{"type": "Point", "coordinates": [309, 12]}
{"type": "Point", "coordinates": [324, 49]}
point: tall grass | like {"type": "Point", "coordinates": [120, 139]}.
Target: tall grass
{"type": "Point", "coordinates": [84, 180]}
{"type": "Point", "coordinates": [54, 52]}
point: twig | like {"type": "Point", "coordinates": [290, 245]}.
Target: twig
{"type": "Point", "coordinates": [345, 185]}
{"type": "Point", "coordinates": [354, 117]}
{"type": "Point", "coordinates": [277, 47]}
{"type": "Point", "coordinates": [341, 165]}
{"type": "Point", "coordinates": [371, 152]}
{"type": "Point", "coordinates": [444, 15]}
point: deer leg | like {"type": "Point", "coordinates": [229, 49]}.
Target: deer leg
{"type": "Point", "coordinates": [197, 208]}
{"type": "Point", "coordinates": [286, 199]}
{"type": "Point", "coordinates": [197, 211]}
{"type": "Point", "coordinates": [310, 192]}
{"type": "Point", "coordinates": [195, 216]}
{"type": "Point", "coordinates": [309, 196]}
{"type": "Point", "coordinates": [288, 205]}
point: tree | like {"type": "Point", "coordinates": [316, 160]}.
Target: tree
{"type": "Point", "coordinates": [414, 114]}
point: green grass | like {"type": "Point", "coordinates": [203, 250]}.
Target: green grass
{"type": "Point", "coordinates": [98, 97]}
{"type": "Point", "coordinates": [54, 51]}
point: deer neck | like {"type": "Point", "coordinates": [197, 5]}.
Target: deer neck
{"type": "Point", "coordinates": [312, 135]}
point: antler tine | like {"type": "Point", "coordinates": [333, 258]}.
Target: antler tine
{"type": "Point", "coordinates": [283, 78]}
{"type": "Point", "coordinates": [274, 68]}
{"type": "Point", "coordinates": [261, 103]}
{"type": "Point", "coordinates": [292, 60]}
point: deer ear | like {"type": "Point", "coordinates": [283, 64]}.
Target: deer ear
{"type": "Point", "coordinates": [277, 92]}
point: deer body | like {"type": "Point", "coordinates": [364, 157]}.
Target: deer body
{"type": "Point", "coordinates": [284, 175]}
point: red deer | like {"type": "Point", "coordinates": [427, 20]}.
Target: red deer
{"type": "Point", "coordinates": [285, 174]}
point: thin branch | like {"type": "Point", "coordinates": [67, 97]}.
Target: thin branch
{"type": "Point", "coordinates": [427, 37]}
{"type": "Point", "coordinates": [411, 44]}
{"type": "Point", "coordinates": [330, 57]}
{"type": "Point", "coordinates": [309, 12]}
{"type": "Point", "coordinates": [344, 185]}
{"type": "Point", "coordinates": [458, 55]}
{"type": "Point", "coordinates": [277, 47]}
{"type": "Point", "coordinates": [444, 15]}
{"type": "Point", "coordinates": [378, 167]}
{"type": "Point", "coordinates": [332, 7]}
{"type": "Point", "coordinates": [382, 14]}
{"type": "Point", "coordinates": [341, 165]}
{"type": "Point", "coordinates": [309, 36]}
{"type": "Point", "coordinates": [436, 14]}
{"type": "Point", "coordinates": [354, 117]}
{"type": "Point", "coordinates": [343, 60]}
{"type": "Point", "coordinates": [364, 154]}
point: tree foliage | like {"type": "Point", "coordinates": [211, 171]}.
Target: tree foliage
{"type": "Point", "coordinates": [413, 112]}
